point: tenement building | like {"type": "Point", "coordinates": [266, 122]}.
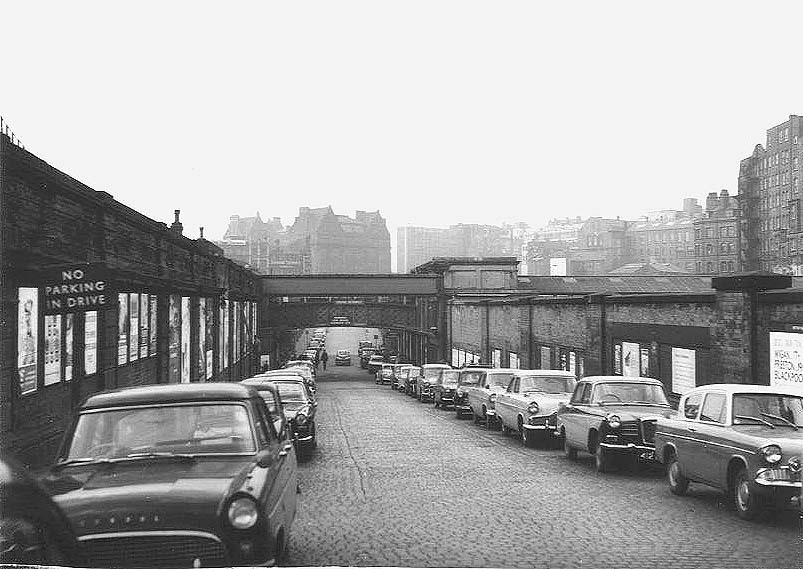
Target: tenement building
{"type": "Point", "coordinates": [716, 241]}
{"type": "Point", "coordinates": [769, 196]}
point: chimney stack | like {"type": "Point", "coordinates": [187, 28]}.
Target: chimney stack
{"type": "Point", "coordinates": [202, 232]}
{"type": "Point", "coordinates": [176, 226]}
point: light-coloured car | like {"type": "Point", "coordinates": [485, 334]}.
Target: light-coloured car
{"type": "Point", "coordinates": [469, 377]}
{"type": "Point", "coordinates": [384, 374]}
{"type": "Point", "coordinates": [343, 358]}
{"type": "Point", "coordinates": [746, 440]}
{"type": "Point", "coordinates": [529, 404]}
{"type": "Point", "coordinates": [482, 397]}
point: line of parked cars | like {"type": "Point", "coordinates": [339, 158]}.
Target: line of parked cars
{"type": "Point", "coordinates": [746, 440]}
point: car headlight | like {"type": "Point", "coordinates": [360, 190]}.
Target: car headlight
{"type": "Point", "coordinates": [301, 418]}
{"type": "Point", "coordinates": [614, 421]}
{"type": "Point", "coordinates": [492, 397]}
{"type": "Point", "coordinates": [243, 513]}
{"type": "Point", "coordinates": [772, 453]}
{"type": "Point", "coordinates": [533, 408]}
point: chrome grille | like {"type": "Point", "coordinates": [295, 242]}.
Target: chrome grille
{"type": "Point", "coordinates": [165, 551]}
{"type": "Point", "coordinates": [629, 432]}
{"type": "Point", "coordinates": [648, 431]}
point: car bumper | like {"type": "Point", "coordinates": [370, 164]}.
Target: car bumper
{"type": "Point", "coordinates": [783, 477]}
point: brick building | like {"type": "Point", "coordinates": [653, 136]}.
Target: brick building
{"type": "Point", "coordinates": [250, 241]}
{"type": "Point", "coordinates": [769, 196]}
{"type": "Point", "coordinates": [716, 236]}
{"type": "Point", "coordinates": [96, 296]}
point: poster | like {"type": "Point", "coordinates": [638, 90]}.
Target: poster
{"type": "Point", "coordinates": [631, 359]}
{"type": "Point", "coordinates": [122, 328]}
{"type": "Point", "coordinates": [573, 363]}
{"type": "Point", "coordinates": [152, 327]}
{"type": "Point", "coordinates": [185, 339]}
{"type": "Point", "coordinates": [27, 337]}
{"type": "Point", "coordinates": [546, 358]}
{"type": "Point", "coordinates": [455, 357]}
{"type": "Point", "coordinates": [52, 349]}
{"type": "Point", "coordinates": [174, 344]}
{"type": "Point", "coordinates": [645, 362]}
{"type": "Point", "coordinates": [786, 358]}
{"type": "Point", "coordinates": [90, 343]}
{"type": "Point", "coordinates": [210, 337]}
{"type": "Point", "coordinates": [68, 345]}
{"type": "Point", "coordinates": [221, 335]}
{"type": "Point", "coordinates": [226, 335]}
{"type": "Point", "coordinates": [683, 370]}
{"type": "Point", "coordinates": [133, 308]}
{"type": "Point", "coordinates": [496, 357]}
{"type": "Point", "coordinates": [202, 338]}
{"type": "Point", "coordinates": [514, 360]}
{"type": "Point", "coordinates": [617, 359]}
{"type": "Point", "coordinates": [144, 326]}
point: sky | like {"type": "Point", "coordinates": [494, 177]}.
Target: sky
{"type": "Point", "coordinates": [432, 112]}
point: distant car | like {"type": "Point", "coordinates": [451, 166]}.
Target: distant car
{"type": "Point", "coordinates": [402, 375]}
{"type": "Point", "coordinates": [445, 387]}
{"type": "Point", "coordinates": [33, 529]}
{"type": "Point", "coordinates": [297, 404]}
{"type": "Point", "coordinates": [612, 416]}
{"type": "Point", "coordinates": [530, 403]}
{"type": "Point", "coordinates": [305, 368]}
{"type": "Point", "coordinates": [384, 375]}
{"type": "Point", "coordinates": [482, 397]}
{"type": "Point", "coordinates": [409, 379]}
{"type": "Point", "coordinates": [375, 363]}
{"type": "Point", "coordinates": [427, 379]}
{"type": "Point", "coordinates": [468, 377]}
{"type": "Point", "coordinates": [365, 356]}
{"type": "Point", "coordinates": [746, 440]}
{"type": "Point", "coordinates": [396, 370]}
{"type": "Point", "coordinates": [343, 358]}
{"type": "Point", "coordinates": [177, 475]}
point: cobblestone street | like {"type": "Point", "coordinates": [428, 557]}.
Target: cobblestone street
{"type": "Point", "coordinates": [395, 482]}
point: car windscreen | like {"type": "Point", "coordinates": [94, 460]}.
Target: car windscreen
{"type": "Point", "coordinates": [500, 379]}
{"type": "Point", "coordinates": [546, 384]}
{"type": "Point", "coordinates": [632, 393]}
{"type": "Point", "coordinates": [471, 377]}
{"type": "Point", "coordinates": [291, 392]}
{"type": "Point", "coordinates": [432, 373]}
{"type": "Point", "coordinates": [775, 408]}
{"type": "Point", "coordinates": [449, 377]}
{"type": "Point", "coordinates": [187, 429]}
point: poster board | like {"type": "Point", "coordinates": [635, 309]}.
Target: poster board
{"type": "Point", "coordinates": [786, 358]}
{"type": "Point", "coordinates": [683, 370]}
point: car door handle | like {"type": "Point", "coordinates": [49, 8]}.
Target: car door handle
{"type": "Point", "coordinates": [285, 449]}
{"type": "Point", "coordinates": [692, 429]}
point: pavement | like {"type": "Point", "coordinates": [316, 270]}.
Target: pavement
{"type": "Point", "coordinates": [396, 482]}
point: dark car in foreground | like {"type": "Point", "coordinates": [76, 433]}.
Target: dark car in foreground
{"type": "Point", "coordinates": [613, 417]}
{"type": "Point", "coordinates": [746, 440]}
{"type": "Point", "coordinates": [33, 530]}
{"type": "Point", "coordinates": [186, 475]}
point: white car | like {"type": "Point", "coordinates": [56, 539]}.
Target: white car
{"type": "Point", "coordinates": [482, 397]}
{"type": "Point", "coordinates": [529, 404]}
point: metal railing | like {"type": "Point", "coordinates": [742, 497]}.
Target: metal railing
{"type": "Point", "coordinates": [4, 129]}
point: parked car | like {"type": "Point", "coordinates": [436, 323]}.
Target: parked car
{"type": "Point", "coordinates": [482, 397]}
{"type": "Point", "coordinates": [306, 369]}
{"type": "Point", "coordinates": [384, 374]}
{"type": "Point", "coordinates": [410, 379]}
{"type": "Point", "coordinates": [426, 381]}
{"type": "Point", "coordinates": [444, 388]}
{"type": "Point", "coordinates": [177, 475]}
{"type": "Point", "coordinates": [365, 356]}
{"type": "Point", "coordinates": [396, 370]}
{"type": "Point", "coordinates": [613, 416]}
{"type": "Point", "coordinates": [343, 358]}
{"type": "Point", "coordinates": [33, 529]}
{"type": "Point", "coordinates": [375, 363]}
{"type": "Point", "coordinates": [289, 374]}
{"type": "Point", "coordinates": [529, 405]}
{"type": "Point", "coordinates": [468, 377]}
{"type": "Point", "coordinates": [743, 439]}
{"type": "Point", "coordinates": [401, 377]}
{"type": "Point", "coordinates": [291, 396]}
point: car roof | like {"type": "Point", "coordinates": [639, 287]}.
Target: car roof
{"type": "Point", "coordinates": [258, 382]}
{"type": "Point", "coordinates": [436, 366]}
{"type": "Point", "coordinates": [545, 373]}
{"type": "Point", "coordinates": [169, 393]}
{"type": "Point", "coordinates": [503, 370]}
{"type": "Point", "coordinates": [281, 372]}
{"type": "Point", "coordinates": [620, 379]}
{"type": "Point", "coordinates": [748, 388]}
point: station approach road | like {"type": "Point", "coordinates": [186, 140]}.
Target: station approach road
{"type": "Point", "coordinates": [395, 482]}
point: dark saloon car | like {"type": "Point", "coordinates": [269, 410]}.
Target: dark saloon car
{"type": "Point", "coordinates": [186, 475]}
{"type": "Point", "coordinates": [613, 417]}
{"type": "Point", "coordinates": [290, 397]}
{"type": "Point", "coordinates": [444, 389]}
{"type": "Point", "coordinates": [746, 440]}
{"type": "Point", "coordinates": [33, 530]}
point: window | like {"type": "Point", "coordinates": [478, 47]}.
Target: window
{"type": "Point", "coordinates": [692, 405]}
{"type": "Point", "coordinates": [713, 408]}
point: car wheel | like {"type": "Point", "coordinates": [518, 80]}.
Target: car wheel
{"type": "Point", "coordinates": [678, 484]}
{"type": "Point", "coordinates": [525, 435]}
{"type": "Point", "coordinates": [747, 504]}
{"type": "Point", "coordinates": [282, 555]}
{"type": "Point", "coordinates": [568, 451]}
{"type": "Point", "coordinates": [602, 459]}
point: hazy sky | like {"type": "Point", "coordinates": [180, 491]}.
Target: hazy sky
{"type": "Point", "coordinates": [433, 112]}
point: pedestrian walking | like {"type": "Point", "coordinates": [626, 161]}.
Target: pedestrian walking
{"type": "Point", "coordinates": [324, 359]}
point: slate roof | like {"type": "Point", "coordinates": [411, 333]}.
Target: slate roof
{"type": "Point", "coordinates": [616, 284]}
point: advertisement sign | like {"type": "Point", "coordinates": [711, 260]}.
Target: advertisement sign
{"type": "Point", "coordinates": [557, 267]}
{"type": "Point", "coordinates": [91, 343]}
{"type": "Point", "coordinates": [174, 345]}
{"type": "Point", "coordinates": [133, 307]}
{"type": "Point", "coordinates": [77, 288]}
{"type": "Point", "coordinates": [546, 358]}
{"type": "Point", "coordinates": [27, 319]}
{"type": "Point", "coordinates": [683, 370]}
{"type": "Point", "coordinates": [631, 359]}
{"type": "Point", "coordinates": [185, 339]}
{"type": "Point", "coordinates": [122, 328]}
{"type": "Point", "coordinates": [786, 358]}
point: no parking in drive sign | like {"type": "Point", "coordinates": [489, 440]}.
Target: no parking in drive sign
{"type": "Point", "coordinates": [786, 358]}
{"type": "Point", "coordinates": [78, 288]}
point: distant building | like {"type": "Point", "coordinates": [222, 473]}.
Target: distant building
{"type": "Point", "coordinates": [716, 238]}
{"type": "Point", "coordinates": [769, 196]}
{"type": "Point", "coordinates": [248, 241]}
